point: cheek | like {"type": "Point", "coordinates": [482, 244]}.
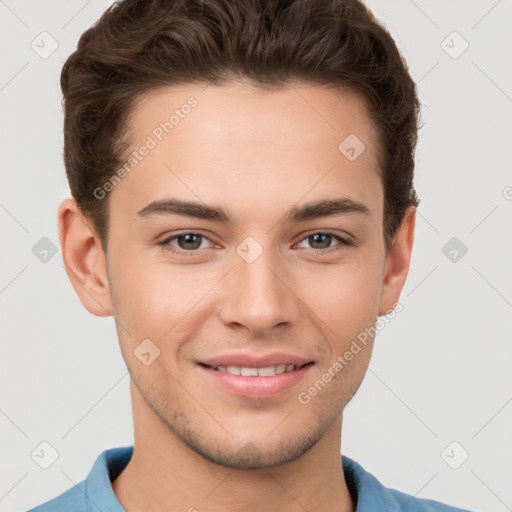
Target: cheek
{"type": "Point", "coordinates": [140, 293]}
{"type": "Point", "coordinates": [155, 296]}
{"type": "Point", "coordinates": [152, 298]}
{"type": "Point", "coordinates": [345, 295]}
{"type": "Point", "coordinates": [346, 299]}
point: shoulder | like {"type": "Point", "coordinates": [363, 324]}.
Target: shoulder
{"type": "Point", "coordinates": [73, 499]}
{"type": "Point", "coordinates": [409, 503]}
{"type": "Point", "coordinates": [372, 495]}
{"type": "Point", "coordinates": [95, 491]}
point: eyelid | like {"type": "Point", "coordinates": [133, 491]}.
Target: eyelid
{"type": "Point", "coordinates": [343, 241]}
{"type": "Point", "coordinates": [165, 241]}
{"type": "Point", "coordinates": [344, 235]}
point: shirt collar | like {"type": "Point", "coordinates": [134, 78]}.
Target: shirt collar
{"type": "Point", "coordinates": [107, 467]}
{"type": "Point", "coordinates": [365, 488]}
{"type": "Point", "coordinates": [369, 493]}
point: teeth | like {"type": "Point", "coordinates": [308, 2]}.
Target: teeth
{"type": "Point", "coordinates": [249, 372]}
{"type": "Point", "coordinates": [234, 370]}
{"type": "Point", "coordinates": [280, 368]}
{"type": "Point", "coordinates": [268, 371]}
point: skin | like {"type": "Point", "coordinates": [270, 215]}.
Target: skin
{"type": "Point", "coordinates": [256, 154]}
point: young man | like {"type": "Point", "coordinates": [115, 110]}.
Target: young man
{"type": "Point", "coordinates": [243, 205]}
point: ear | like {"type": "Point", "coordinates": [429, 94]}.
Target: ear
{"type": "Point", "coordinates": [397, 262]}
{"type": "Point", "coordinates": [84, 259]}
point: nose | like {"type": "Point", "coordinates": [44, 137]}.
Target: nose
{"type": "Point", "coordinates": [258, 296]}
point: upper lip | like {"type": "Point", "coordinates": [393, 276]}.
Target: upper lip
{"type": "Point", "coordinates": [254, 361]}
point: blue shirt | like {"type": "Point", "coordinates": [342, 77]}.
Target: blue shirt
{"type": "Point", "coordinates": [95, 494]}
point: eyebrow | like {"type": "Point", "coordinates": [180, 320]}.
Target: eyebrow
{"type": "Point", "coordinates": [312, 210]}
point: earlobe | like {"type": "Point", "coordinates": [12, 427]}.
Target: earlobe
{"type": "Point", "coordinates": [397, 263]}
{"type": "Point", "coordinates": [84, 259]}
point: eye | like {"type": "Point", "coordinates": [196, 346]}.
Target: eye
{"type": "Point", "coordinates": [322, 241]}
{"type": "Point", "coordinates": [188, 241]}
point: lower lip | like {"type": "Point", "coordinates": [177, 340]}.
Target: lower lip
{"type": "Point", "coordinates": [256, 387]}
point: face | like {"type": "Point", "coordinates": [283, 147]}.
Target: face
{"type": "Point", "coordinates": [248, 297]}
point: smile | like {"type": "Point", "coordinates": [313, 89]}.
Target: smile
{"type": "Point", "coordinates": [254, 382]}
{"type": "Point", "coordinates": [268, 371]}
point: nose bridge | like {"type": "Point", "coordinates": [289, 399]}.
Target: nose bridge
{"type": "Point", "coordinates": [256, 295]}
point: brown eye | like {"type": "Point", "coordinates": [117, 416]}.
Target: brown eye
{"type": "Point", "coordinates": [323, 240]}
{"type": "Point", "coordinates": [186, 243]}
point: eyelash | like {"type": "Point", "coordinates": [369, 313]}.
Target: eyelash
{"type": "Point", "coordinates": [343, 242]}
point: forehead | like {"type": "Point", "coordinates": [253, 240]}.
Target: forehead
{"type": "Point", "coordinates": [236, 112]}
{"type": "Point", "coordinates": [234, 142]}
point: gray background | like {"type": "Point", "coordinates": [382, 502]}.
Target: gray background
{"type": "Point", "coordinates": [441, 369]}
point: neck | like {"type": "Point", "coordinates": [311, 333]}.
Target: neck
{"type": "Point", "coordinates": [165, 472]}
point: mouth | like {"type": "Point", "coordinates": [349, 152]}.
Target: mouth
{"type": "Point", "coordinates": [255, 382]}
{"type": "Point", "coordinates": [252, 371]}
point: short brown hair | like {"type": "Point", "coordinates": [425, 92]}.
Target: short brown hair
{"type": "Point", "coordinates": [140, 45]}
